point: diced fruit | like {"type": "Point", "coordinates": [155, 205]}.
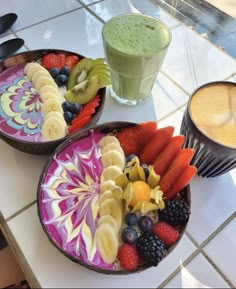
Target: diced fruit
{"type": "Point", "coordinates": [176, 168]}
{"type": "Point", "coordinates": [151, 249]}
{"type": "Point", "coordinates": [165, 158]}
{"type": "Point", "coordinates": [157, 143]}
{"type": "Point", "coordinates": [83, 92]}
{"type": "Point", "coordinates": [80, 123]}
{"type": "Point", "coordinates": [142, 192]}
{"type": "Point", "coordinates": [79, 72]}
{"type": "Point", "coordinates": [131, 219]}
{"type": "Point", "coordinates": [107, 242]}
{"type": "Point", "coordinates": [71, 61]}
{"type": "Point", "coordinates": [53, 128]}
{"type": "Point", "coordinates": [181, 182]}
{"type": "Point", "coordinates": [54, 72]}
{"type": "Point", "coordinates": [166, 233]}
{"type": "Point", "coordinates": [112, 208]}
{"type": "Point", "coordinates": [68, 116]}
{"type": "Point", "coordinates": [61, 79]}
{"type": "Point", "coordinates": [128, 257]}
{"type": "Point", "coordinates": [129, 235]}
{"type": "Point", "coordinates": [145, 224]}
{"type": "Point", "coordinates": [134, 138]}
{"type": "Point", "coordinates": [176, 212]}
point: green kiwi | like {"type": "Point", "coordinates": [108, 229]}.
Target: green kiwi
{"type": "Point", "coordinates": [99, 61]}
{"type": "Point", "coordinates": [104, 80]}
{"type": "Point", "coordinates": [79, 72]}
{"type": "Point", "coordinates": [84, 91]}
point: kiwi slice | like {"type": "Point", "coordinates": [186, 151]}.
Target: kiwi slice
{"type": "Point", "coordinates": [98, 71]}
{"type": "Point", "coordinates": [99, 61]}
{"type": "Point", "coordinates": [104, 78]}
{"type": "Point", "coordinates": [79, 72]}
{"type": "Point", "coordinates": [84, 91]}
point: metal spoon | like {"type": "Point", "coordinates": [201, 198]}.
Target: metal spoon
{"type": "Point", "coordinates": [10, 46]}
{"type": "Point", "coordinates": [6, 21]}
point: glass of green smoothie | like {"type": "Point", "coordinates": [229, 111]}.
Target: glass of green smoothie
{"type": "Point", "coordinates": [135, 46]}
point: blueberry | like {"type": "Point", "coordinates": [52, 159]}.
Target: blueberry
{"type": "Point", "coordinates": [68, 116]}
{"type": "Point", "coordinates": [54, 72]}
{"type": "Point", "coordinates": [146, 170]}
{"type": "Point", "coordinates": [129, 235]}
{"type": "Point", "coordinates": [65, 70]}
{"type": "Point", "coordinates": [130, 157]}
{"type": "Point", "coordinates": [66, 106]}
{"type": "Point", "coordinates": [131, 219]}
{"type": "Point", "coordinates": [76, 108]}
{"type": "Point", "coordinates": [61, 79]}
{"type": "Point", "coordinates": [145, 224]}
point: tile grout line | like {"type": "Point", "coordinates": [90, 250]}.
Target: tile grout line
{"type": "Point", "coordinates": [20, 211]}
{"type": "Point", "coordinates": [86, 7]}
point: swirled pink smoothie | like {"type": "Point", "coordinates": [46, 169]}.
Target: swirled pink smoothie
{"type": "Point", "coordinates": [69, 200]}
{"type": "Point", "coordinates": [20, 105]}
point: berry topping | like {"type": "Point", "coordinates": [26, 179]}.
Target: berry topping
{"type": "Point", "coordinates": [176, 213]}
{"type": "Point", "coordinates": [61, 79]}
{"type": "Point", "coordinates": [71, 61]}
{"type": "Point", "coordinates": [54, 72]}
{"type": "Point", "coordinates": [75, 108]}
{"type": "Point", "coordinates": [151, 249]}
{"type": "Point", "coordinates": [128, 257]}
{"type": "Point", "coordinates": [166, 233]}
{"type": "Point", "coordinates": [65, 70]}
{"type": "Point", "coordinates": [129, 235]}
{"type": "Point", "coordinates": [66, 106]}
{"type": "Point", "coordinates": [130, 157]}
{"type": "Point", "coordinates": [145, 224]}
{"type": "Point", "coordinates": [68, 116]}
{"type": "Point", "coordinates": [142, 192]}
{"type": "Point", "coordinates": [131, 219]}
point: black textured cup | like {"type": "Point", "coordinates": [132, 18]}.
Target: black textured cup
{"type": "Point", "coordinates": [211, 157]}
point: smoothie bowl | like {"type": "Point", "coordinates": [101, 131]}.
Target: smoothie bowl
{"type": "Point", "coordinates": [115, 205]}
{"type": "Point", "coordinates": [48, 94]}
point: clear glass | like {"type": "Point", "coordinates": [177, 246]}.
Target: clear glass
{"type": "Point", "coordinates": [133, 73]}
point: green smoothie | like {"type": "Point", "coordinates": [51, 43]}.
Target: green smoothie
{"type": "Point", "coordinates": [135, 46]}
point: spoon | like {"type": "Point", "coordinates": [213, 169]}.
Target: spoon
{"type": "Point", "coordinates": [6, 21]}
{"type": "Point", "coordinates": [10, 46]}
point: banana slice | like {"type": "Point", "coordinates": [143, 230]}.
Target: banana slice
{"type": "Point", "coordinates": [55, 114]}
{"type": "Point", "coordinates": [112, 146]}
{"type": "Point", "coordinates": [29, 65]}
{"type": "Point", "coordinates": [111, 173]}
{"type": "Point", "coordinates": [108, 139]}
{"type": "Point", "coordinates": [44, 80]}
{"type": "Point", "coordinates": [113, 157]}
{"type": "Point", "coordinates": [106, 195]}
{"type": "Point", "coordinates": [39, 73]}
{"type": "Point", "coordinates": [53, 128]}
{"type": "Point", "coordinates": [49, 88]}
{"type": "Point", "coordinates": [112, 208]}
{"type": "Point", "coordinates": [51, 105]}
{"type": "Point", "coordinates": [106, 219]}
{"type": "Point", "coordinates": [107, 242]}
{"type": "Point", "coordinates": [48, 95]}
{"type": "Point", "coordinates": [108, 185]}
{"type": "Point", "coordinates": [34, 67]}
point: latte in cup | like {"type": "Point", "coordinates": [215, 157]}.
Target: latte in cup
{"type": "Point", "coordinates": [213, 110]}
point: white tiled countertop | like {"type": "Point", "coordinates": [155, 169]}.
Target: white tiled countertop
{"type": "Point", "coordinates": [205, 256]}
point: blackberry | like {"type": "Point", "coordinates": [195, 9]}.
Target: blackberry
{"type": "Point", "coordinates": [151, 249]}
{"type": "Point", "coordinates": [176, 212]}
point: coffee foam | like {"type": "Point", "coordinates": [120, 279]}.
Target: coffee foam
{"type": "Point", "coordinates": [213, 110]}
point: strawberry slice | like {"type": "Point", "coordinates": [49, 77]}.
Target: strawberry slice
{"type": "Point", "coordinates": [165, 158]}
{"type": "Point", "coordinates": [49, 61]}
{"type": "Point", "coordinates": [80, 123]}
{"type": "Point", "coordinates": [176, 168]}
{"type": "Point", "coordinates": [71, 61]}
{"type": "Point", "coordinates": [156, 144]}
{"type": "Point", "coordinates": [61, 60]}
{"type": "Point", "coordinates": [181, 182]}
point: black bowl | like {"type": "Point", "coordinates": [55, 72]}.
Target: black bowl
{"type": "Point", "coordinates": [38, 147]}
{"type": "Point", "coordinates": [67, 153]}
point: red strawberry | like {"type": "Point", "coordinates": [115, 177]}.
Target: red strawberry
{"type": "Point", "coordinates": [166, 233]}
{"type": "Point", "coordinates": [128, 257]}
{"type": "Point", "coordinates": [49, 61]}
{"type": "Point", "coordinates": [156, 144]}
{"type": "Point", "coordinates": [71, 61]}
{"type": "Point", "coordinates": [61, 60]}
{"type": "Point", "coordinates": [80, 123]}
{"type": "Point", "coordinates": [181, 182]}
{"type": "Point", "coordinates": [133, 139]}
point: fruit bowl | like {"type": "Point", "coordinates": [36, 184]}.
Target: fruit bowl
{"type": "Point", "coordinates": [29, 85]}
{"type": "Point", "coordinates": [97, 202]}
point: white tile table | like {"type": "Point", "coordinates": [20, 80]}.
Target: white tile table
{"type": "Point", "coordinates": [205, 257]}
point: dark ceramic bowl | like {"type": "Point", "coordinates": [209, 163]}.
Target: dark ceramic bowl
{"type": "Point", "coordinates": [11, 135]}
{"type": "Point", "coordinates": [57, 168]}
{"type": "Point", "coordinates": [211, 158]}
